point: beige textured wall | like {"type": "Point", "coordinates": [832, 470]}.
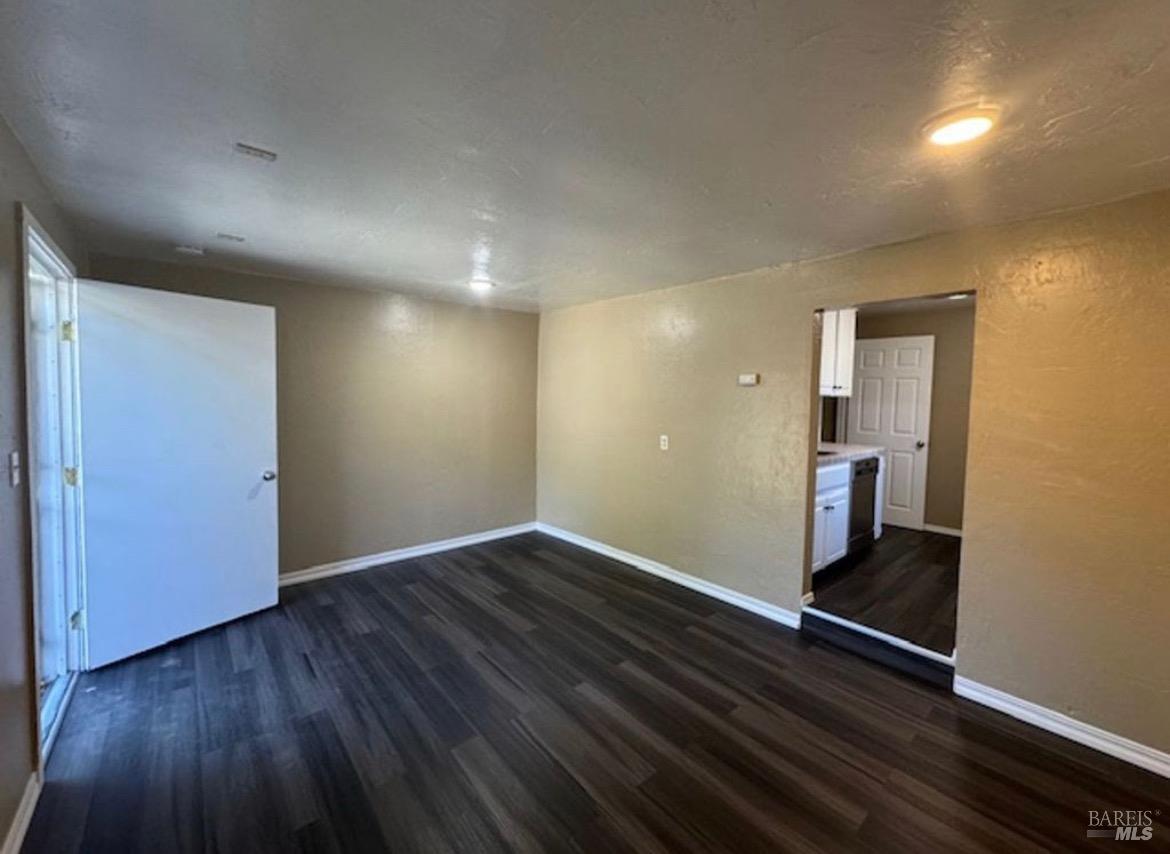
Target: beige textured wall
{"type": "Point", "coordinates": [727, 501]}
{"type": "Point", "coordinates": [1066, 568]}
{"type": "Point", "coordinates": [19, 182]}
{"type": "Point", "coordinates": [954, 334]}
{"type": "Point", "coordinates": [400, 420]}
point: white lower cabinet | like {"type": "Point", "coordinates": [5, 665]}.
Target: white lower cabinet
{"type": "Point", "coordinates": [819, 524]}
{"type": "Point", "coordinates": [836, 526]}
{"type": "Point", "coordinates": [831, 516]}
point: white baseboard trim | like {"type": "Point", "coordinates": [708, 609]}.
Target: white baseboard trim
{"type": "Point", "coordinates": [943, 529]}
{"type": "Point", "coordinates": [892, 640]}
{"type": "Point", "coordinates": [1106, 742]}
{"type": "Point", "coordinates": [791, 619]}
{"type": "Point", "coordinates": [24, 813]}
{"type": "Point", "coordinates": [354, 564]}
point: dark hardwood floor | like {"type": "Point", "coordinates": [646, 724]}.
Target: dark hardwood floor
{"type": "Point", "coordinates": [907, 585]}
{"type": "Point", "coordinates": [528, 695]}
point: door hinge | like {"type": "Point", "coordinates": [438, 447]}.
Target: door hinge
{"type": "Point", "coordinates": [68, 331]}
{"type": "Point", "coordinates": [71, 476]}
{"type": "Point", "coordinates": [77, 620]}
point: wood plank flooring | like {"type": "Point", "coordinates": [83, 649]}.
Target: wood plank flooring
{"type": "Point", "coordinates": [528, 695]}
{"type": "Point", "coordinates": [907, 585]}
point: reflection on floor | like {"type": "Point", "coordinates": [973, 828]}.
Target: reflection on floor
{"type": "Point", "coordinates": [906, 586]}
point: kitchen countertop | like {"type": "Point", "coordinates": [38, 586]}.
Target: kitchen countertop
{"type": "Point", "coordinates": [843, 453]}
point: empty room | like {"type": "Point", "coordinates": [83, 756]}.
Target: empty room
{"type": "Point", "coordinates": [584, 426]}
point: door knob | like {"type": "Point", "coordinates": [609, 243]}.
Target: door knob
{"type": "Point", "coordinates": [920, 445]}
{"type": "Point", "coordinates": [269, 475]}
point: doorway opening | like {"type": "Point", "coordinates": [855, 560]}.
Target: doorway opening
{"type": "Point", "coordinates": [890, 461]}
{"type": "Point", "coordinates": [54, 465]}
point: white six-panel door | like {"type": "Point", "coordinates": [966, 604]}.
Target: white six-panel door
{"type": "Point", "coordinates": [178, 401]}
{"type": "Point", "coordinates": [890, 407]}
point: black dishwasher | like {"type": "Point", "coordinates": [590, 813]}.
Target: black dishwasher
{"type": "Point", "coordinates": [861, 504]}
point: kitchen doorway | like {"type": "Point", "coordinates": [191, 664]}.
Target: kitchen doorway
{"type": "Point", "coordinates": [890, 470]}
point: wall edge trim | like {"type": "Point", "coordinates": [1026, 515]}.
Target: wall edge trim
{"type": "Point", "coordinates": [356, 564]}
{"type": "Point", "coordinates": [23, 817]}
{"type": "Point", "coordinates": [789, 619]}
{"type": "Point", "coordinates": [884, 637]}
{"type": "Point", "coordinates": [1101, 740]}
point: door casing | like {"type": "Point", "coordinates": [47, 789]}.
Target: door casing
{"type": "Point", "coordinates": [38, 247]}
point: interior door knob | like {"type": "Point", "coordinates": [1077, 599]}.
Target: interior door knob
{"type": "Point", "coordinates": [920, 445]}
{"type": "Point", "coordinates": [269, 475]}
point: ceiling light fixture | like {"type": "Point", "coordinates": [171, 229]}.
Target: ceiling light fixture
{"type": "Point", "coordinates": [481, 286]}
{"type": "Point", "coordinates": [184, 249]}
{"type": "Point", "coordinates": [255, 151]}
{"type": "Point", "coordinates": [965, 124]}
{"type": "Point", "coordinates": [957, 296]}
{"type": "Point", "coordinates": [231, 238]}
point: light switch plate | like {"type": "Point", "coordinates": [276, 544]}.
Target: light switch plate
{"type": "Point", "coordinates": [748, 379]}
{"type": "Point", "coordinates": [664, 442]}
{"type": "Point", "coordinates": [14, 473]}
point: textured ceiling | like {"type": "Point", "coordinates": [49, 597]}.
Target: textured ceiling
{"type": "Point", "coordinates": [571, 150]}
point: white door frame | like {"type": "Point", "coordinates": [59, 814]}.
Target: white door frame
{"type": "Point", "coordinates": [36, 243]}
{"type": "Point", "coordinates": [922, 433]}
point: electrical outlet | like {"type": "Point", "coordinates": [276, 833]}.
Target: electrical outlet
{"type": "Point", "coordinates": [664, 442]}
{"type": "Point", "coordinates": [14, 473]}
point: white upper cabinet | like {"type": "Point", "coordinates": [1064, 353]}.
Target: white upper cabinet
{"type": "Point", "coordinates": [838, 335]}
{"type": "Point", "coordinates": [828, 353]}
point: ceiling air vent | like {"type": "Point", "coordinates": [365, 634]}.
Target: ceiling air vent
{"type": "Point", "coordinates": [254, 151]}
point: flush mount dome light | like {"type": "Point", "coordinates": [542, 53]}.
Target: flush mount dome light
{"type": "Point", "coordinates": [481, 285]}
{"type": "Point", "coordinates": [955, 127]}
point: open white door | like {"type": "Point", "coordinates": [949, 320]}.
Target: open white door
{"type": "Point", "coordinates": [890, 407]}
{"type": "Point", "coordinates": [178, 401]}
